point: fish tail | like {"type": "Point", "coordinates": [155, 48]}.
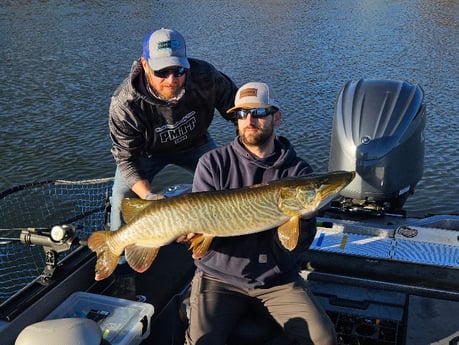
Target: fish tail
{"type": "Point", "coordinates": [106, 259]}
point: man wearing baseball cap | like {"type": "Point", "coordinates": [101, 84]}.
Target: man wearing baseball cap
{"type": "Point", "coordinates": [160, 115]}
{"type": "Point", "coordinates": [240, 273]}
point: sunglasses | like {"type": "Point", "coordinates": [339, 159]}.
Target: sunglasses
{"type": "Point", "coordinates": [166, 72]}
{"type": "Point", "coordinates": [255, 112]}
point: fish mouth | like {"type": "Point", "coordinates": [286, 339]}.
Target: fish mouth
{"type": "Point", "coordinates": [331, 185]}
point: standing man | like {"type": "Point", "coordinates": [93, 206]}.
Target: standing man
{"type": "Point", "coordinates": [239, 271]}
{"type": "Point", "coordinates": [160, 115]}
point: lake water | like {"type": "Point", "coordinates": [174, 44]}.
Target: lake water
{"type": "Point", "coordinates": [62, 59]}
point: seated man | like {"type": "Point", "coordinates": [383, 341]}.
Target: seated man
{"type": "Point", "coordinates": [239, 271]}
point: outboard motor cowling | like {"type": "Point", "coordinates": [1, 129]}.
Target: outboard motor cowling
{"type": "Point", "coordinates": [378, 131]}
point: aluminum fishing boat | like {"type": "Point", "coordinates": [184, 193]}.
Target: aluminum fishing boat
{"type": "Point", "coordinates": [383, 277]}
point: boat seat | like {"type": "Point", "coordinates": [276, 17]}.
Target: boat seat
{"type": "Point", "coordinates": [69, 331]}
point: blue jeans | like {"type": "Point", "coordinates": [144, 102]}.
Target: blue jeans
{"type": "Point", "coordinates": [152, 166]}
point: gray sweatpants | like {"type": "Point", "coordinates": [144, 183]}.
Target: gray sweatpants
{"type": "Point", "coordinates": [216, 307]}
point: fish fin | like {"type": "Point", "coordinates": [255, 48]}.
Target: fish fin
{"type": "Point", "coordinates": [106, 260]}
{"type": "Point", "coordinates": [200, 244]}
{"type": "Point", "coordinates": [140, 258]}
{"type": "Point", "coordinates": [130, 207]}
{"type": "Point", "coordinates": [289, 233]}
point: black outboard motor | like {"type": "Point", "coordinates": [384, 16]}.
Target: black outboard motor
{"type": "Point", "coordinates": [378, 131]}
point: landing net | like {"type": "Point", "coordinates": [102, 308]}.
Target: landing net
{"type": "Point", "coordinates": [82, 204]}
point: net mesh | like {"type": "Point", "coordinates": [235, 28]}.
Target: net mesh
{"type": "Point", "coordinates": [81, 204]}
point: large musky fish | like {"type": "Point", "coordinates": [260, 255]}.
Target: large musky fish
{"type": "Point", "coordinates": [152, 224]}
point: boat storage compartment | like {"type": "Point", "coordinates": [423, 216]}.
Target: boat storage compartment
{"type": "Point", "coordinates": [365, 315]}
{"type": "Point", "coordinates": [121, 321]}
{"type": "Point", "coordinates": [391, 282]}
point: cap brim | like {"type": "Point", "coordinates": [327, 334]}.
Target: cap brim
{"type": "Point", "coordinates": [161, 63]}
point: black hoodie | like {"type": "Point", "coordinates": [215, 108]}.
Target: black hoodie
{"type": "Point", "coordinates": [256, 260]}
{"type": "Point", "coordinates": [143, 125]}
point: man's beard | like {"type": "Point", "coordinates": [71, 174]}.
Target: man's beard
{"type": "Point", "coordinates": [172, 96]}
{"type": "Point", "coordinates": [259, 138]}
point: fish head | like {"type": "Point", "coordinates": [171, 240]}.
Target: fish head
{"type": "Point", "coordinates": [307, 194]}
{"type": "Point", "coordinates": [329, 186]}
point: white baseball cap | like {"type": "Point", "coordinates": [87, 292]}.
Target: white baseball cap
{"type": "Point", "coordinates": [254, 95]}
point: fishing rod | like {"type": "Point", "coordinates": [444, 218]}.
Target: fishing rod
{"type": "Point", "coordinates": [8, 240]}
{"type": "Point", "coordinates": [54, 233]}
{"type": "Point", "coordinates": [47, 237]}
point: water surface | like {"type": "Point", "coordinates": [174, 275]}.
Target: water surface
{"type": "Point", "coordinates": [61, 60]}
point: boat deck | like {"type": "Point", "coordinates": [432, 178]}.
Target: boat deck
{"type": "Point", "coordinates": [394, 281]}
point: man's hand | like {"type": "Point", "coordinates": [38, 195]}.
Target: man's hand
{"type": "Point", "coordinates": [153, 196]}
{"type": "Point", "coordinates": [185, 238]}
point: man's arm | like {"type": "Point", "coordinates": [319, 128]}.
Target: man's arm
{"type": "Point", "coordinates": [127, 142]}
{"type": "Point", "coordinates": [203, 180]}
{"type": "Point", "coordinates": [143, 189]}
{"type": "Point", "coordinates": [226, 91]}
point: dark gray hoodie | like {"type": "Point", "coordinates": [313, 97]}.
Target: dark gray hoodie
{"type": "Point", "coordinates": [256, 260]}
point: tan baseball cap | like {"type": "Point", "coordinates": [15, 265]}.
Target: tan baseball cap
{"type": "Point", "coordinates": [254, 95]}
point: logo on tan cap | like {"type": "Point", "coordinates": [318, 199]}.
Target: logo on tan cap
{"type": "Point", "coordinates": [249, 92]}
